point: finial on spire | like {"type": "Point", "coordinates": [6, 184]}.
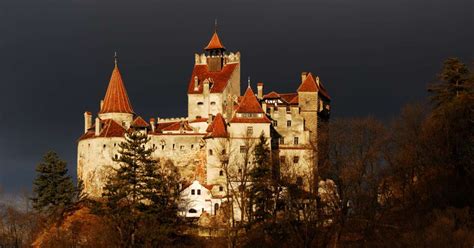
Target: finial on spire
{"type": "Point", "coordinates": [215, 25]}
{"type": "Point", "coordinates": [116, 58]}
{"type": "Point", "coordinates": [248, 81]}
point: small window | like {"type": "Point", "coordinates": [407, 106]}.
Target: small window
{"type": "Point", "coordinates": [243, 149]}
{"type": "Point", "coordinates": [295, 140]}
{"type": "Point", "coordinates": [240, 170]}
{"type": "Point", "coordinates": [213, 103]}
{"type": "Point", "coordinates": [198, 117]}
{"type": "Point", "coordinates": [296, 159]}
{"type": "Point", "coordinates": [173, 146]}
{"type": "Point", "coordinates": [288, 110]}
{"type": "Point", "coordinates": [221, 173]}
{"type": "Point", "coordinates": [192, 211]}
{"type": "Point", "coordinates": [104, 145]}
{"type": "Point", "coordinates": [116, 156]}
{"type": "Point", "coordinates": [275, 123]}
{"type": "Point", "coordinates": [200, 103]}
{"type": "Point", "coordinates": [223, 152]}
{"type": "Point", "coordinates": [192, 146]}
{"type": "Point", "coordinates": [162, 147]}
{"type": "Point", "coordinates": [193, 192]}
{"type": "Point", "coordinates": [249, 130]}
{"type": "Point", "coordinates": [288, 123]}
{"type": "Point", "coordinates": [282, 141]}
{"type": "Point", "coordinates": [115, 144]}
{"type": "Point", "coordinates": [199, 192]}
{"type": "Point", "coordinates": [282, 159]}
{"type": "Point", "coordinates": [221, 188]}
{"type": "Point", "coordinates": [181, 147]}
{"type": "Point", "coordinates": [210, 152]}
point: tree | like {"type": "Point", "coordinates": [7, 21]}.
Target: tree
{"type": "Point", "coordinates": [140, 196]}
{"type": "Point", "coordinates": [53, 189]}
{"type": "Point", "coordinates": [260, 192]}
{"type": "Point", "coordinates": [453, 80]}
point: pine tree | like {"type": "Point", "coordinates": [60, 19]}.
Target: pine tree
{"type": "Point", "coordinates": [453, 81]}
{"type": "Point", "coordinates": [261, 175]}
{"type": "Point", "coordinates": [139, 193]}
{"type": "Point", "coordinates": [53, 189]}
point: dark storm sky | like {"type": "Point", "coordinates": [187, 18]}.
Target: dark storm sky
{"type": "Point", "coordinates": [374, 56]}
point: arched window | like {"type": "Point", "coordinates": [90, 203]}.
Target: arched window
{"type": "Point", "coordinates": [192, 211]}
{"type": "Point", "coordinates": [221, 173]}
{"type": "Point", "coordinates": [216, 207]}
{"type": "Point", "coordinates": [210, 152]}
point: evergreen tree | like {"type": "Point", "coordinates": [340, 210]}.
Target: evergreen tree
{"type": "Point", "coordinates": [261, 176]}
{"type": "Point", "coordinates": [453, 81]}
{"type": "Point", "coordinates": [53, 189]}
{"type": "Point", "coordinates": [139, 194]}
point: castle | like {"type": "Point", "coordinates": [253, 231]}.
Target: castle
{"type": "Point", "coordinates": [220, 123]}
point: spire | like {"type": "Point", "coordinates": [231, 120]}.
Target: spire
{"type": "Point", "coordinates": [116, 58]}
{"type": "Point", "coordinates": [116, 98]}
{"type": "Point", "coordinates": [248, 81]}
{"type": "Point", "coordinates": [215, 43]}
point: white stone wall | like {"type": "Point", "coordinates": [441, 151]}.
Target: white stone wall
{"type": "Point", "coordinates": [94, 162]}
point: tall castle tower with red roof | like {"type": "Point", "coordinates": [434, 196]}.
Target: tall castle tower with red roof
{"type": "Point", "coordinates": [216, 138]}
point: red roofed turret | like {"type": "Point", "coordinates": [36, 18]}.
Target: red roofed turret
{"type": "Point", "coordinates": [218, 128]}
{"type": "Point", "coordinates": [249, 103]}
{"type": "Point", "coordinates": [116, 98]}
{"type": "Point", "coordinates": [308, 84]}
{"type": "Point", "coordinates": [214, 43]}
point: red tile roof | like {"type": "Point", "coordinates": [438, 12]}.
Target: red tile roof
{"type": "Point", "coordinates": [308, 85]}
{"type": "Point", "coordinates": [214, 43]}
{"type": "Point", "coordinates": [139, 122]}
{"type": "Point", "coordinates": [175, 126]}
{"type": "Point", "coordinates": [199, 120]}
{"type": "Point", "coordinates": [263, 119]}
{"type": "Point", "coordinates": [218, 128]}
{"type": "Point", "coordinates": [110, 128]}
{"type": "Point", "coordinates": [219, 79]}
{"type": "Point", "coordinates": [249, 103]}
{"type": "Point", "coordinates": [116, 98]}
{"type": "Point", "coordinates": [288, 97]}
{"type": "Point", "coordinates": [271, 95]}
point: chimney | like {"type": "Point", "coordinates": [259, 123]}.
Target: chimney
{"type": "Point", "coordinates": [205, 89]}
{"type": "Point", "coordinates": [303, 76]}
{"type": "Point", "coordinates": [101, 104]}
{"type": "Point", "coordinates": [264, 107]}
{"type": "Point", "coordinates": [87, 121]}
{"type": "Point", "coordinates": [196, 83]}
{"type": "Point", "coordinates": [260, 91]}
{"type": "Point", "coordinates": [152, 124]}
{"type": "Point", "coordinates": [209, 119]}
{"type": "Point", "coordinates": [97, 126]}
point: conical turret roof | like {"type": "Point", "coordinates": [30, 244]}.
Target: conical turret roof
{"type": "Point", "coordinates": [249, 103]}
{"type": "Point", "coordinates": [214, 43]}
{"type": "Point", "coordinates": [116, 98]}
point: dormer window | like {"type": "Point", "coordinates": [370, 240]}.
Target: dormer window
{"type": "Point", "coordinates": [200, 103]}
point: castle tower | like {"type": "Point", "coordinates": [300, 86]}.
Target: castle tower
{"type": "Point", "coordinates": [116, 104]}
{"type": "Point", "coordinates": [215, 81]}
{"type": "Point", "coordinates": [215, 50]}
{"type": "Point", "coordinates": [308, 103]}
